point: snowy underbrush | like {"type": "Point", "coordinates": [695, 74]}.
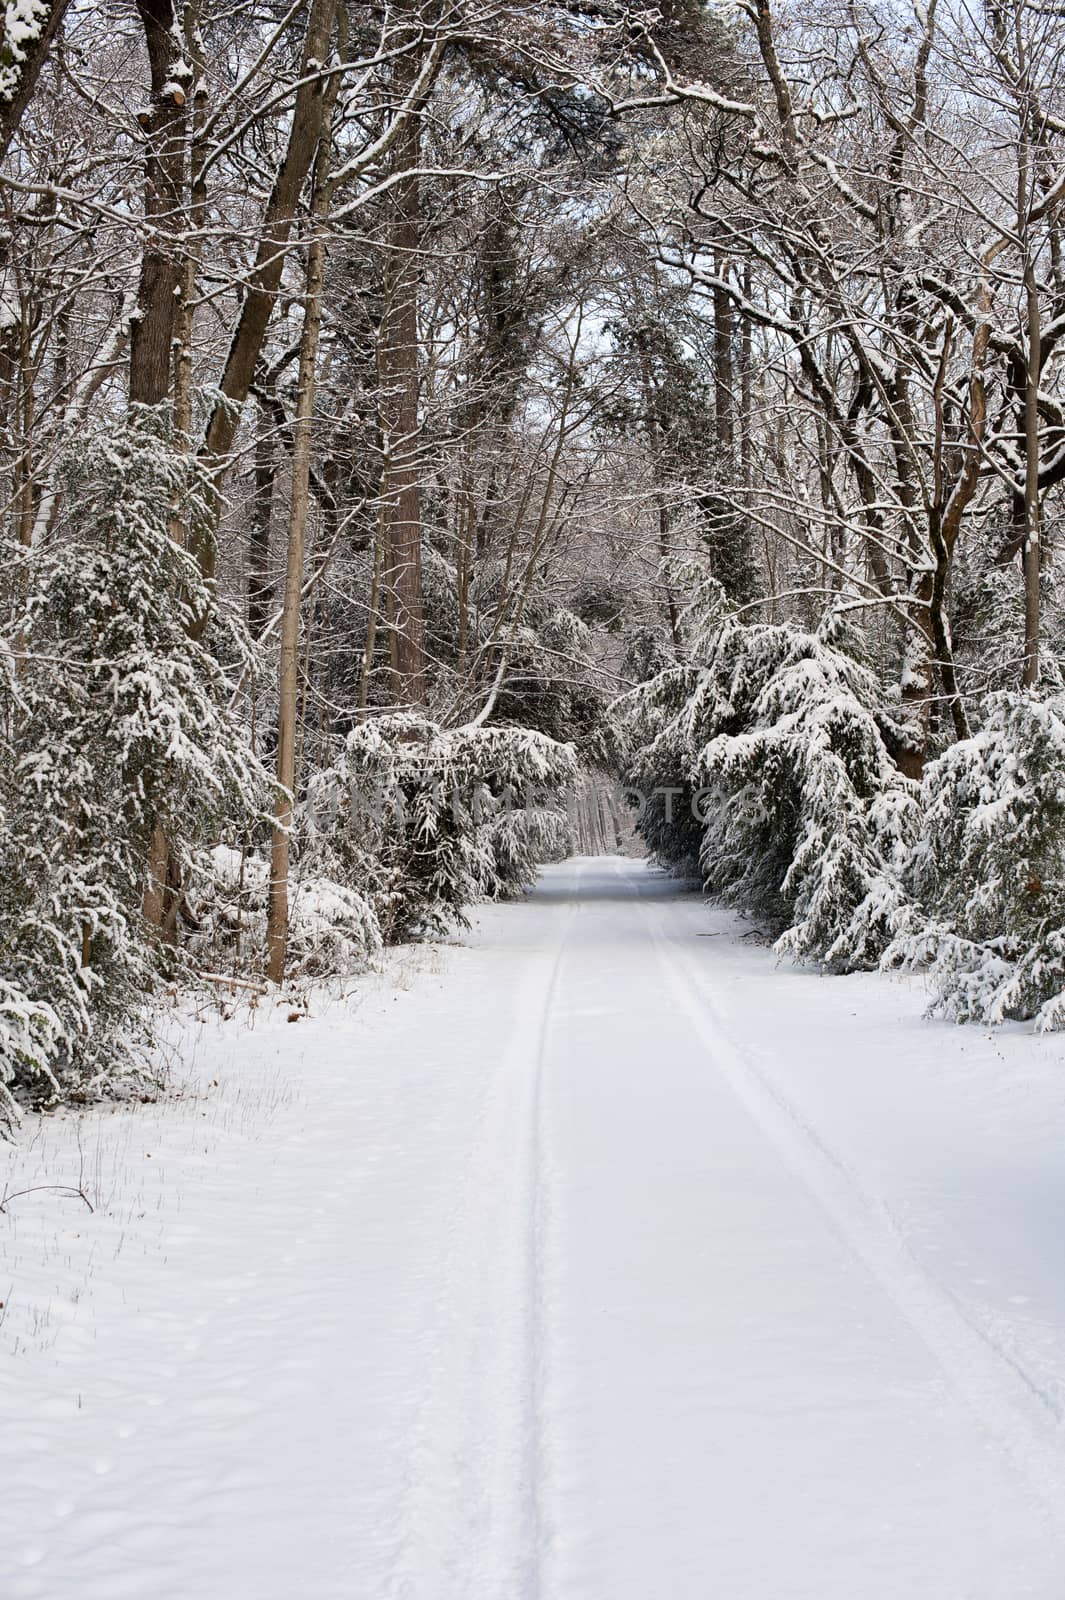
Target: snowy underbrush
{"type": "Point", "coordinates": [427, 820]}
{"type": "Point", "coordinates": [411, 825]}
{"type": "Point", "coordinates": [987, 876]}
{"type": "Point", "coordinates": [773, 741]}
{"type": "Point", "coordinates": [332, 928]}
{"type": "Point", "coordinates": [775, 745]}
{"type": "Point", "coordinates": [116, 729]}
{"type": "Point", "coordinates": [127, 762]}
{"type": "Point", "coordinates": [808, 819]}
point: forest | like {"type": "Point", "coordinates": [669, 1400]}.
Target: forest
{"type": "Point", "coordinates": [421, 424]}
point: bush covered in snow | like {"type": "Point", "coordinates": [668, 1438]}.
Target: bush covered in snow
{"type": "Point", "coordinates": [788, 796]}
{"type": "Point", "coordinates": [662, 738]}
{"type": "Point", "coordinates": [331, 927]}
{"type": "Point", "coordinates": [426, 820]}
{"type": "Point", "coordinates": [988, 872]}
{"type": "Point", "coordinates": [115, 721]}
{"type": "Point", "coordinates": [807, 818]}
{"type": "Point", "coordinates": [410, 825]}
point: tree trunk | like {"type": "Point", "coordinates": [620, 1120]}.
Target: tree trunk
{"type": "Point", "coordinates": [918, 660]}
{"type": "Point", "coordinates": [260, 588]}
{"type": "Point", "coordinates": [308, 113]}
{"type": "Point", "coordinates": [401, 489]}
{"type": "Point", "coordinates": [288, 676]}
{"type": "Point", "coordinates": [1031, 551]}
{"type": "Point", "coordinates": [185, 292]}
{"type": "Point", "coordinates": [724, 395]}
{"type": "Point", "coordinates": [746, 385]}
{"type": "Point", "coordinates": [154, 322]}
{"type": "Point", "coordinates": [654, 439]}
{"type": "Point", "coordinates": [25, 61]}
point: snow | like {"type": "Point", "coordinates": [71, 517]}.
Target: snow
{"type": "Point", "coordinates": [597, 1258]}
{"type": "Point", "coordinates": [23, 23]}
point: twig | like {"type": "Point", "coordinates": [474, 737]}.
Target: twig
{"type": "Point", "coordinates": [228, 978]}
{"type": "Point", "coordinates": [39, 1188]}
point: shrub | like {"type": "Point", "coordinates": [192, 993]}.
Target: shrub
{"type": "Point", "coordinates": [117, 720]}
{"type": "Point", "coordinates": [426, 820]}
{"type": "Point", "coordinates": [988, 873]}
{"type": "Point", "coordinates": [775, 737]}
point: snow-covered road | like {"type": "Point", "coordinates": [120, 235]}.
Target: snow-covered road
{"type": "Point", "coordinates": [609, 1261]}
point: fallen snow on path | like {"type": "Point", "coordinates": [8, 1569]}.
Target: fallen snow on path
{"type": "Point", "coordinates": [597, 1258]}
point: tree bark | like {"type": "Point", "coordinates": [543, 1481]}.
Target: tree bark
{"type": "Point", "coordinates": [26, 71]}
{"type": "Point", "coordinates": [155, 319]}
{"type": "Point", "coordinates": [288, 675]}
{"type": "Point", "coordinates": [401, 489]}
{"type": "Point", "coordinates": [308, 115]}
{"type": "Point", "coordinates": [260, 588]}
{"type": "Point", "coordinates": [724, 395]}
{"type": "Point", "coordinates": [654, 439]}
{"type": "Point", "coordinates": [1031, 556]}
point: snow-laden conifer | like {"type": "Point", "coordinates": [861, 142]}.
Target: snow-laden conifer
{"type": "Point", "coordinates": [988, 872]}
{"type": "Point", "coordinates": [118, 722]}
{"type": "Point", "coordinates": [427, 820]}
{"type": "Point", "coordinates": [772, 739]}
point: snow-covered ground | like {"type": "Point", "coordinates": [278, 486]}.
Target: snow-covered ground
{"type": "Point", "coordinates": [594, 1257]}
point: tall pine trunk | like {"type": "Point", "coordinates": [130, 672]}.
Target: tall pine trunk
{"type": "Point", "coordinates": [154, 322]}
{"type": "Point", "coordinates": [1031, 553]}
{"type": "Point", "coordinates": [401, 489]}
{"type": "Point", "coordinates": [309, 116]}
{"type": "Point", "coordinates": [288, 674]}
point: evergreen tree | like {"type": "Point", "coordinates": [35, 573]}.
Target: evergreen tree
{"type": "Point", "coordinates": [118, 723]}
{"type": "Point", "coordinates": [988, 871]}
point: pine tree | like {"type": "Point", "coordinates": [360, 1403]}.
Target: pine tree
{"type": "Point", "coordinates": [773, 742]}
{"type": "Point", "coordinates": [118, 723]}
{"type": "Point", "coordinates": [988, 872]}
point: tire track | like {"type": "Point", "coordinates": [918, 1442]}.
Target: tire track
{"type": "Point", "coordinates": [1009, 1403]}
{"type": "Point", "coordinates": [472, 1521]}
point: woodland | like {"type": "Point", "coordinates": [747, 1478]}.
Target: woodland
{"type": "Point", "coordinates": [418, 419]}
